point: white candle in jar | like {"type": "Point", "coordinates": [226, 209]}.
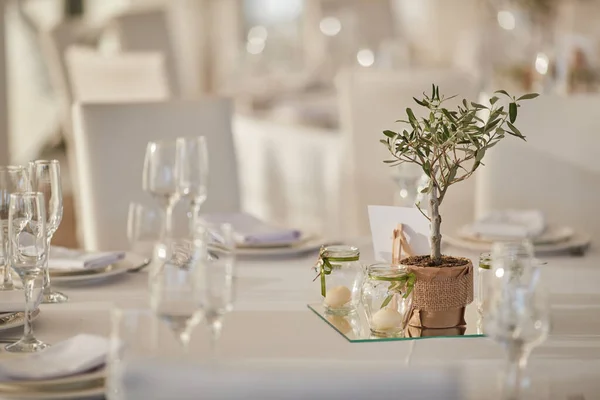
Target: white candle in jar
{"type": "Point", "coordinates": [338, 296]}
{"type": "Point", "coordinates": [386, 318]}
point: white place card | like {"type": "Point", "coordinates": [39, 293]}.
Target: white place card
{"type": "Point", "coordinates": [383, 221]}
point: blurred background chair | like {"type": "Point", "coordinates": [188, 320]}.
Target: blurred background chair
{"type": "Point", "coordinates": [557, 170]}
{"type": "Point", "coordinates": [110, 176]}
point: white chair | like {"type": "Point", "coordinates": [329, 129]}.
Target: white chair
{"type": "Point", "coordinates": [289, 173]}
{"type": "Point", "coordinates": [117, 77]}
{"type": "Point", "coordinates": [111, 142]}
{"type": "Point", "coordinates": [370, 102]}
{"type": "Point", "coordinates": [557, 170]}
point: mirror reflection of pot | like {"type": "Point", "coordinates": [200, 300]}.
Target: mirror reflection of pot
{"type": "Point", "coordinates": [414, 332]}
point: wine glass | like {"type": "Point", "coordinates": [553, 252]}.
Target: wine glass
{"type": "Point", "coordinates": [518, 319]}
{"type": "Point", "coordinates": [27, 255]}
{"type": "Point", "coordinates": [160, 180]}
{"type": "Point", "coordinates": [12, 179]}
{"type": "Point", "coordinates": [192, 173]}
{"type": "Point", "coordinates": [173, 287]}
{"type": "Point", "coordinates": [144, 225]}
{"type": "Point", "coordinates": [513, 263]}
{"type": "Point", "coordinates": [216, 277]}
{"type": "Point", "coordinates": [45, 178]}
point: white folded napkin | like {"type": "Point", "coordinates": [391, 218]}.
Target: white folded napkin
{"type": "Point", "coordinates": [511, 224]}
{"type": "Point", "coordinates": [62, 258]}
{"type": "Point", "coordinates": [251, 230]}
{"type": "Point", "coordinates": [12, 301]}
{"type": "Point", "coordinates": [76, 355]}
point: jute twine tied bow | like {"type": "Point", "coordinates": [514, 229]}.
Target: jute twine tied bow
{"type": "Point", "coordinates": [324, 266]}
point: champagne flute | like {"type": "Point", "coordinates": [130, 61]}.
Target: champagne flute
{"type": "Point", "coordinates": [192, 173]}
{"type": "Point", "coordinates": [173, 288]}
{"type": "Point", "coordinates": [27, 254]}
{"type": "Point", "coordinates": [216, 277]}
{"type": "Point", "coordinates": [12, 179]}
{"type": "Point", "coordinates": [45, 178]}
{"type": "Point", "coordinates": [159, 179]}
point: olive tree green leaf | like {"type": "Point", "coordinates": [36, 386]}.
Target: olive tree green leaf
{"type": "Point", "coordinates": [423, 103]}
{"type": "Point", "coordinates": [477, 105]}
{"type": "Point", "coordinates": [512, 112]}
{"type": "Point", "coordinates": [390, 134]}
{"type": "Point", "coordinates": [504, 92]}
{"type": "Point", "coordinates": [515, 131]}
{"type": "Point", "coordinates": [494, 99]}
{"type": "Point", "coordinates": [528, 96]}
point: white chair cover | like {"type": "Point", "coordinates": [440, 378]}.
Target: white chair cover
{"type": "Point", "coordinates": [121, 77]}
{"type": "Point", "coordinates": [557, 170]}
{"type": "Point", "coordinates": [290, 173]}
{"type": "Point", "coordinates": [370, 102]}
{"type": "Point", "coordinates": [111, 142]}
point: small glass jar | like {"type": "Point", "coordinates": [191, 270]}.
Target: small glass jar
{"type": "Point", "coordinates": [484, 273]}
{"type": "Point", "coordinates": [386, 297]}
{"type": "Point", "coordinates": [341, 276]}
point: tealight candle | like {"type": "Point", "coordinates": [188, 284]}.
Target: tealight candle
{"type": "Point", "coordinates": [385, 319]}
{"type": "Point", "coordinates": [337, 296]}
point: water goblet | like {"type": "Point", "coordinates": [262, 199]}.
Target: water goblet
{"type": "Point", "coordinates": [173, 288]}
{"type": "Point", "coordinates": [12, 179]}
{"type": "Point", "coordinates": [192, 173]}
{"type": "Point", "coordinates": [45, 178]}
{"type": "Point", "coordinates": [216, 277]}
{"type": "Point", "coordinates": [518, 319]}
{"type": "Point", "coordinates": [27, 254]}
{"type": "Point", "coordinates": [160, 180]}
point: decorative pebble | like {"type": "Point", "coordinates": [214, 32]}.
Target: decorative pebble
{"type": "Point", "coordinates": [337, 296]}
{"type": "Point", "coordinates": [386, 318]}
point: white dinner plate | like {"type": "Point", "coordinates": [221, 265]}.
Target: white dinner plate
{"type": "Point", "coordinates": [72, 387]}
{"type": "Point", "coordinates": [552, 235]}
{"type": "Point", "coordinates": [16, 319]}
{"type": "Point", "coordinates": [312, 244]}
{"type": "Point", "coordinates": [576, 245]}
{"type": "Point", "coordinates": [272, 245]}
{"type": "Point", "coordinates": [131, 261]}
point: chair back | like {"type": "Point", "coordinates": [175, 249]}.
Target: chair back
{"type": "Point", "coordinates": [557, 170]}
{"type": "Point", "coordinates": [111, 142]}
{"type": "Point", "coordinates": [96, 77]}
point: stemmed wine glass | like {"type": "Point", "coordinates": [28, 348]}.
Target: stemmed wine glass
{"type": "Point", "coordinates": [519, 320]}
{"type": "Point", "coordinates": [192, 173]}
{"type": "Point", "coordinates": [45, 178]}
{"type": "Point", "coordinates": [516, 309]}
{"type": "Point", "coordinates": [216, 277]}
{"type": "Point", "coordinates": [173, 288]}
{"type": "Point", "coordinates": [12, 179]}
{"type": "Point", "coordinates": [160, 180]}
{"type": "Point", "coordinates": [143, 229]}
{"type": "Point", "coordinates": [27, 255]}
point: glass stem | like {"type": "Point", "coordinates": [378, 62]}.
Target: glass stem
{"type": "Point", "coordinates": [28, 329]}
{"type": "Point", "coordinates": [515, 367]}
{"type": "Point", "coordinates": [7, 282]}
{"type": "Point", "coordinates": [169, 220]}
{"type": "Point", "coordinates": [47, 287]}
{"type": "Point", "coordinates": [215, 326]}
{"type": "Point", "coordinates": [194, 215]}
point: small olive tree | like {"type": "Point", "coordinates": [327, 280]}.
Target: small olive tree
{"type": "Point", "coordinates": [450, 144]}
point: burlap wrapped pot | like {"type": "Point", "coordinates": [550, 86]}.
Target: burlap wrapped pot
{"type": "Point", "coordinates": [440, 296]}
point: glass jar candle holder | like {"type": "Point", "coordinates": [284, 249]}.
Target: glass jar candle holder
{"type": "Point", "coordinates": [341, 276]}
{"type": "Point", "coordinates": [386, 297]}
{"type": "Point", "coordinates": [483, 277]}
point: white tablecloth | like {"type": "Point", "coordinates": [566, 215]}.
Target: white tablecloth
{"type": "Point", "coordinates": [272, 324]}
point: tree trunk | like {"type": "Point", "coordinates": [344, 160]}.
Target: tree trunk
{"type": "Point", "coordinates": [436, 222]}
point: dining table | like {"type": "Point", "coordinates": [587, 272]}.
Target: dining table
{"type": "Point", "coordinates": [272, 324]}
